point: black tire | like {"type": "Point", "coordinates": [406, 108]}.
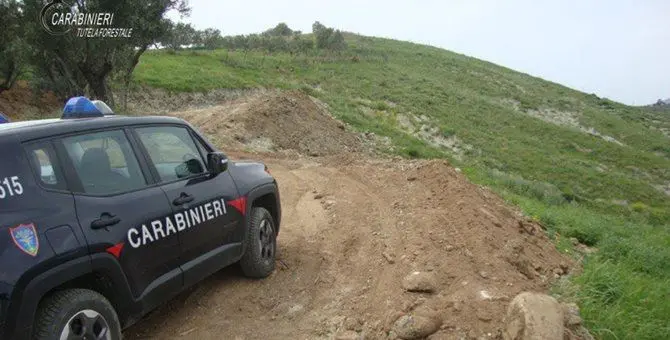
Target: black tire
{"type": "Point", "coordinates": [258, 260]}
{"type": "Point", "coordinates": [67, 307]}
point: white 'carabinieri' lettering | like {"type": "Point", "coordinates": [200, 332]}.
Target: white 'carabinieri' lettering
{"type": "Point", "coordinates": [178, 222]}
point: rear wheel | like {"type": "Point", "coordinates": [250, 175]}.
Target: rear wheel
{"type": "Point", "coordinates": [80, 314]}
{"type": "Point", "coordinates": [259, 257]}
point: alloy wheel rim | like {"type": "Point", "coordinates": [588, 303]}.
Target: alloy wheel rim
{"type": "Point", "coordinates": [86, 325]}
{"type": "Point", "coordinates": [266, 240]}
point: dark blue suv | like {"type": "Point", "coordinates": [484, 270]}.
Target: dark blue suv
{"type": "Point", "coordinates": [104, 217]}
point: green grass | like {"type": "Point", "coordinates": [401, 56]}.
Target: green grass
{"type": "Point", "coordinates": [463, 95]}
{"type": "Point", "coordinates": [625, 286]}
{"type": "Point", "coordinates": [568, 179]}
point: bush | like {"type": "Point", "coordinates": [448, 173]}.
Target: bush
{"type": "Point", "coordinates": [281, 30]}
{"type": "Point", "coordinates": [639, 207]}
{"type": "Point", "coordinates": [448, 132]}
{"type": "Point", "coordinates": [328, 38]}
{"type": "Point", "coordinates": [542, 191]}
{"type": "Point", "coordinates": [414, 153]}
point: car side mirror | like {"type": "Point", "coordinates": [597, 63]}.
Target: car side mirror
{"type": "Point", "coordinates": [217, 162]}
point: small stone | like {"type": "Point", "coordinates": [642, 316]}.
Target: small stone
{"type": "Point", "coordinates": [411, 178]}
{"type": "Point", "coordinates": [574, 241]}
{"type": "Point", "coordinates": [415, 326]}
{"type": "Point", "coordinates": [484, 316]}
{"type": "Point", "coordinates": [484, 295]}
{"type": "Point", "coordinates": [318, 196]}
{"type": "Point", "coordinates": [484, 274]}
{"type": "Point", "coordinates": [571, 314]}
{"type": "Point", "coordinates": [420, 282]}
{"type": "Point", "coordinates": [564, 267]}
{"type": "Point", "coordinates": [491, 217]}
{"type": "Point", "coordinates": [525, 268]}
{"type": "Point", "coordinates": [449, 247]}
{"type": "Point", "coordinates": [457, 169]}
{"type": "Point", "coordinates": [388, 257]}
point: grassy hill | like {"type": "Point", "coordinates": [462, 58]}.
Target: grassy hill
{"type": "Point", "coordinates": [587, 167]}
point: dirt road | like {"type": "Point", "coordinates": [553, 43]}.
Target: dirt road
{"type": "Point", "coordinates": [354, 227]}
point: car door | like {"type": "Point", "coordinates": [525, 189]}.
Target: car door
{"type": "Point", "coordinates": [201, 202]}
{"type": "Point", "coordinates": [121, 213]}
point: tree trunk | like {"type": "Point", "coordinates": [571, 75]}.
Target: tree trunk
{"type": "Point", "coordinates": [10, 75]}
{"type": "Point", "coordinates": [96, 79]}
{"type": "Point", "coordinates": [128, 76]}
{"type": "Point", "coordinates": [98, 87]}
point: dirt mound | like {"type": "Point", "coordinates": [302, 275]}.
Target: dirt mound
{"type": "Point", "coordinates": [354, 229]}
{"type": "Point", "coordinates": [270, 121]}
{"type": "Point", "coordinates": [292, 120]}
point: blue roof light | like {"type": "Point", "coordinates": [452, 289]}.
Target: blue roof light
{"type": "Point", "coordinates": [3, 118]}
{"type": "Point", "coordinates": [80, 107]}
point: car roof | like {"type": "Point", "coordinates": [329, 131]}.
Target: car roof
{"type": "Point", "coordinates": [33, 129]}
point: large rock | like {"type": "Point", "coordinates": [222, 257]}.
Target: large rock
{"type": "Point", "coordinates": [414, 326]}
{"type": "Point", "coordinates": [420, 282]}
{"type": "Point", "coordinates": [532, 316]}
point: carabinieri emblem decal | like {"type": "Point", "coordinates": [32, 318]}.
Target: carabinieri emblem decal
{"type": "Point", "coordinates": [25, 237]}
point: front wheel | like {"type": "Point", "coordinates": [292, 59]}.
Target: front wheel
{"type": "Point", "coordinates": [76, 314]}
{"type": "Point", "coordinates": [259, 256]}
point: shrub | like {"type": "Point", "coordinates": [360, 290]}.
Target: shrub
{"type": "Point", "coordinates": [639, 207]}
{"type": "Point", "coordinates": [414, 153]}
{"type": "Point", "coordinates": [542, 191]}
{"type": "Point", "coordinates": [448, 132]}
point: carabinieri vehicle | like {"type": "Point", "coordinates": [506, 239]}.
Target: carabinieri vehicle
{"type": "Point", "coordinates": [104, 217]}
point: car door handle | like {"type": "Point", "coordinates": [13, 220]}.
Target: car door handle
{"type": "Point", "coordinates": [105, 220]}
{"type": "Point", "coordinates": [182, 199]}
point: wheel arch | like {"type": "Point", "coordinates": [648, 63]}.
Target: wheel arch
{"type": "Point", "coordinates": [266, 196]}
{"type": "Point", "coordinates": [100, 273]}
{"type": "Point", "coordinates": [267, 201]}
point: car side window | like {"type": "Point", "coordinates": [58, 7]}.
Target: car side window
{"type": "Point", "coordinates": [45, 164]}
{"type": "Point", "coordinates": [172, 151]}
{"type": "Point", "coordinates": [105, 162]}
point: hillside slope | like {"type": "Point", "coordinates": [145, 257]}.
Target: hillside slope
{"type": "Point", "coordinates": [429, 102]}
{"type": "Point", "coordinates": [593, 171]}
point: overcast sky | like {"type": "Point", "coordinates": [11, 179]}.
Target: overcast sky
{"type": "Point", "coordinates": [618, 49]}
